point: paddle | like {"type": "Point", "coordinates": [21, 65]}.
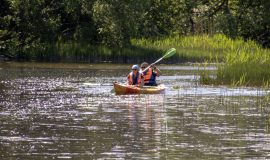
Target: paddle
{"type": "Point", "coordinates": [168, 54]}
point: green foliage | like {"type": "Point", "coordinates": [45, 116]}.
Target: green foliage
{"type": "Point", "coordinates": [192, 48]}
{"type": "Point", "coordinates": [109, 27]}
{"type": "Point", "coordinates": [252, 74]}
{"type": "Point", "coordinates": [246, 63]}
{"type": "Point", "coordinates": [84, 52]}
{"type": "Point", "coordinates": [31, 24]}
{"type": "Point", "coordinates": [253, 19]}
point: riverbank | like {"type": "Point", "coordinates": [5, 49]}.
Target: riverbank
{"type": "Point", "coordinates": [189, 49]}
{"type": "Point", "coordinates": [239, 62]}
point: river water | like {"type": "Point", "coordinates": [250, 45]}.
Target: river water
{"type": "Point", "coordinates": [69, 111]}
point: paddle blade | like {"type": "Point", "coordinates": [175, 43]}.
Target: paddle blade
{"type": "Point", "coordinates": [169, 53]}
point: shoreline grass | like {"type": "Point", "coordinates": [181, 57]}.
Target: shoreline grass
{"type": "Point", "coordinates": [189, 49]}
{"type": "Point", "coordinates": [239, 62]}
{"type": "Point", "coordinates": [245, 63]}
{"type": "Point", "coordinates": [87, 53]}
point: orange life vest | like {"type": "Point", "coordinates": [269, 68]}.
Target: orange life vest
{"type": "Point", "coordinates": [149, 77]}
{"type": "Point", "coordinates": [132, 80]}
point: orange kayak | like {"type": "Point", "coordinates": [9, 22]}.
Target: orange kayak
{"type": "Point", "coordinates": [121, 89]}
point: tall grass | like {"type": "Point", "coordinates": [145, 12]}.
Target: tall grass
{"type": "Point", "coordinates": [191, 48]}
{"type": "Point", "coordinates": [239, 62]}
{"type": "Point", "coordinates": [245, 63]}
{"type": "Point", "coordinates": [245, 68]}
{"type": "Point", "coordinates": [84, 52]}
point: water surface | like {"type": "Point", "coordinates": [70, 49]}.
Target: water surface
{"type": "Point", "coordinates": [69, 111]}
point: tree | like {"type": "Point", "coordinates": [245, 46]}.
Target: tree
{"type": "Point", "coordinates": [253, 18]}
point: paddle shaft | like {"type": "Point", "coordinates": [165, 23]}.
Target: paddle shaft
{"type": "Point", "coordinates": [152, 64]}
{"type": "Point", "coordinates": [169, 53]}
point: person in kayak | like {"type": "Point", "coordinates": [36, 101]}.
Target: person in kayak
{"type": "Point", "coordinates": [135, 77]}
{"type": "Point", "coordinates": [150, 74]}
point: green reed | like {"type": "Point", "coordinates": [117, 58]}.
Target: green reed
{"type": "Point", "coordinates": [84, 52]}
{"type": "Point", "coordinates": [248, 74]}
{"type": "Point", "coordinates": [244, 63]}
{"type": "Point", "coordinates": [190, 48]}
{"type": "Point", "coordinates": [239, 62]}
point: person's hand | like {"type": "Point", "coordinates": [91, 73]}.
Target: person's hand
{"type": "Point", "coordinates": [153, 66]}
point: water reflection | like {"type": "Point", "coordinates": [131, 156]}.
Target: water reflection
{"type": "Point", "coordinates": [71, 113]}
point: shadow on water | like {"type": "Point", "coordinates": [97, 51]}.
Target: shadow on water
{"type": "Point", "coordinates": [70, 112]}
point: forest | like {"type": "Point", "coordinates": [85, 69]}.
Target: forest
{"type": "Point", "coordinates": [104, 30]}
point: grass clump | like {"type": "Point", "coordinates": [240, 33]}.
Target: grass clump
{"type": "Point", "coordinates": [245, 64]}
{"type": "Point", "coordinates": [244, 74]}
{"type": "Point", "coordinates": [191, 48]}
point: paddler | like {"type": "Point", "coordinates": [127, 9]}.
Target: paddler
{"type": "Point", "coordinates": [135, 77]}
{"type": "Point", "coordinates": [150, 74]}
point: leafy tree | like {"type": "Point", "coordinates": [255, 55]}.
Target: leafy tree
{"type": "Point", "coordinates": [117, 21]}
{"type": "Point", "coordinates": [33, 23]}
{"type": "Point", "coordinates": [253, 19]}
{"type": "Point", "coordinates": [8, 40]}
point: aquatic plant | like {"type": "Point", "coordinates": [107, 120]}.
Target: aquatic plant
{"type": "Point", "coordinates": [239, 62]}
{"type": "Point", "coordinates": [84, 52]}
{"type": "Point", "coordinates": [190, 48]}
{"type": "Point", "coordinates": [245, 63]}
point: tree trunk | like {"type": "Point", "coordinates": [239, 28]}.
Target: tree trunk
{"type": "Point", "coordinates": [230, 20]}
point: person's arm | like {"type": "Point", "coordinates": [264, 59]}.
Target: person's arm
{"type": "Point", "coordinates": [142, 80]}
{"type": "Point", "coordinates": [128, 80]}
{"type": "Point", "coordinates": [157, 71]}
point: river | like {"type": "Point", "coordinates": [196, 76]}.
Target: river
{"type": "Point", "coordinates": [69, 111]}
